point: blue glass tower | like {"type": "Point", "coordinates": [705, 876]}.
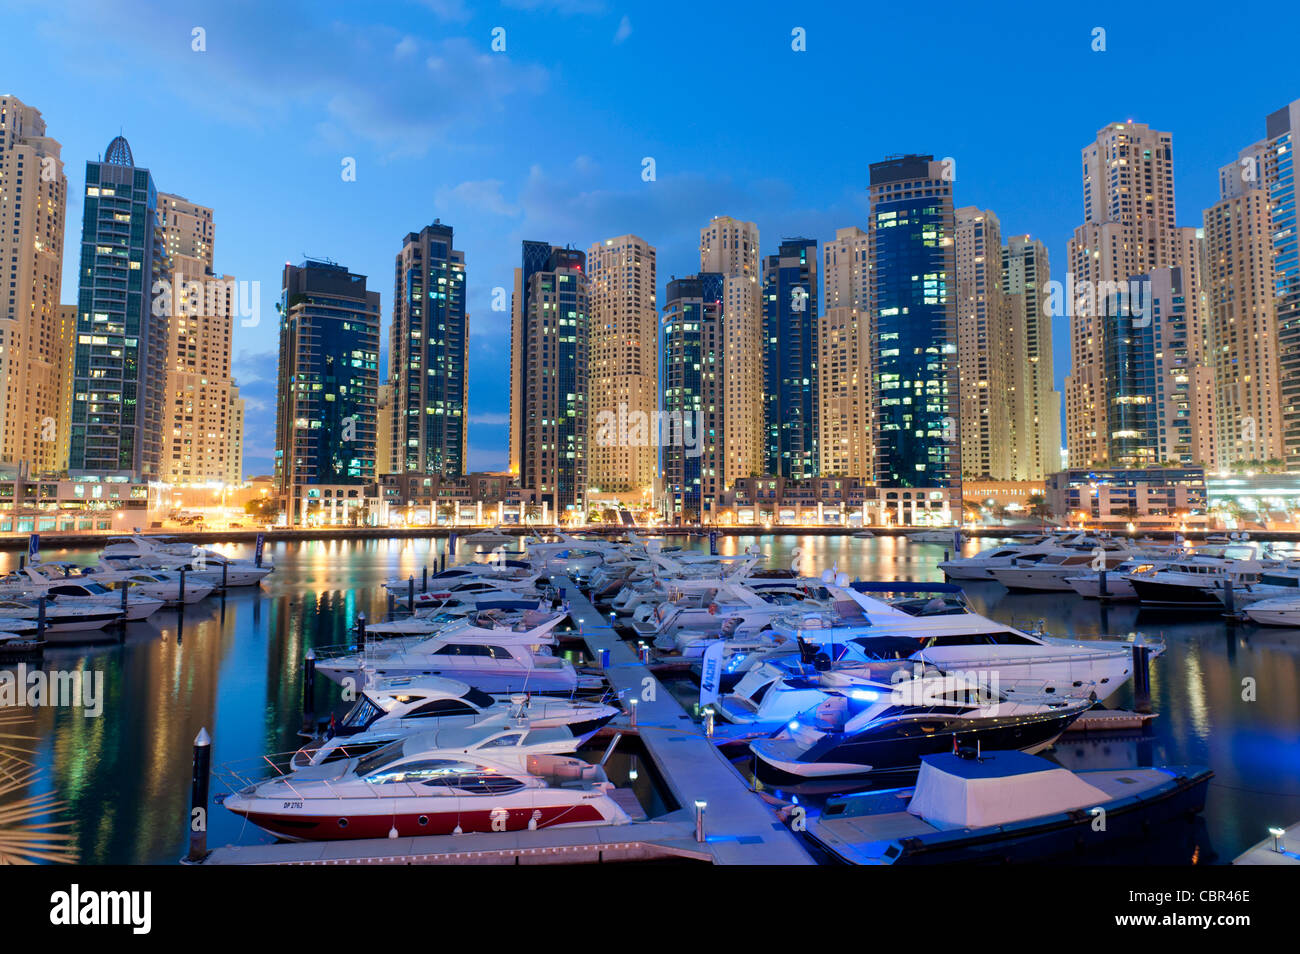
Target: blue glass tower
{"type": "Point", "coordinates": [914, 324]}
{"type": "Point", "coordinates": [790, 385]}
{"type": "Point", "coordinates": [119, 363]}
{"type": "Point", "coordinates": [693, 395]}
{"type": "Point", "coordinates": [328, 391]}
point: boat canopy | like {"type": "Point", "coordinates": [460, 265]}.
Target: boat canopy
{"type": "Point", "coordinates": [996, 789]}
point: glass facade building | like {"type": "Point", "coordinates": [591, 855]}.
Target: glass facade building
{"type": "Point", "coordinates": [914, 324]}
{"type": "Point", "coordinates": [119, 361]}
{"type": "Point", "coordinates": [428, 353]}
{"type": "Point", "coordinates": [693, 389]}
{"type": "Point", "coordinates": [328, 389]}
{"type": "Point", "coordinates": [791, 400]}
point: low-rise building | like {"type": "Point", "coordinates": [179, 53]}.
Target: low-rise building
{"type": "Point", "coordinates": [1146, 497]}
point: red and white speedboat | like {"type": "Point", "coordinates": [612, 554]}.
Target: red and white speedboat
{"type": "Point", "coordinates": [477, 779]}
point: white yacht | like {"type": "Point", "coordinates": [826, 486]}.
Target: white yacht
{"type": "Point", "coordinates": [446, 781]}
{"type": "Point", "coordinates": [64, 622]}
{"type": "Point", "coordinates": [162, 553]}
{"type": "Point", "coordinates": [390, 708]}
{"type": "Point", "coordinates": [1189, 582]}
{"type": "Point", "coordinates": [1275, 611]}
{"type": "Point", "coordinates": [1051, 571]}
{"type": "Point", "coordinates": [92, 595]}
{"type": "Point", "coordinates": [979, 565]}
{"type": "Point", "coordinates": [1118, 587]}
{"type": "Point", "coordinates": [515, 658]}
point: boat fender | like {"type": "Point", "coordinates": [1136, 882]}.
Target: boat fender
{"type": "Point", "coordinates": [713, 609]}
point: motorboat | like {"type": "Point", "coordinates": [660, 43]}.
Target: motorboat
{"type": "Point", "coordinates": [388, 709]}
{"type": "Point", "coordinates": [162, 553]}
{"type": "Point", "coordinates": [64, 622]}
{"type": "Point", "coordinates": [1118, 587]}
{"type": "Point", "coordinates": [999, 806]}
{"type": "Point", "coordinates": [1052, 570]}
{"type": "Point", "coordinates": [864, 535]}
{"type": "Point", "coordinates": [162, 585]}
{"type": "Point", "coordinates": [491, 657]}
{"type": "Point", "coordinates": [1275, 611]}
{"type": "Point", "coordinates": [131, 605]}
{"type": "Point", "coordinates": [978, 566]}
{"type": "Point", "coordinates": [1282, 582]}
{"type": "Point", "coordinates": [445, 781]}
{"type": "Point", "coordinates": [933, 536]}
{"type": "Point", "coordinates": [1187, 582]}
{"type": "Point", "coordinates": [847, 736]}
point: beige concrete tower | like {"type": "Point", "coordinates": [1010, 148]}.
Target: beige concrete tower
{"type": "Point", "coordinates": [729, 247]}
{"type": "Point", "coordinates": [1128, 230]}
{"type": "Point", "coordinates": [1036, 413]}
{"type": "Point", "coordinates": [844, 358]}
{"type": "Point", "coordinates": [186, 226]}
{"type": "Point", "coordinates": [385, 431]}
{"type": "Point", "coordinates": [1241, 332]}
{"type": "Point", "coordinates": [235, 448]}
{"type": "Point", "coordinates": [33, 202]}
{"type": "Point", "coordinates": [197, 409]}
{"type": "Point", "coordinates": [623, 368]}
{"type": "Point", "coordinates": [984, 348]}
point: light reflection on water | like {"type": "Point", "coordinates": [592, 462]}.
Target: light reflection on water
{"type": "Point", "coordinates": [235, 667]}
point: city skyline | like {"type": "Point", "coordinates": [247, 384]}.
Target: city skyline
{"type": "Point", "coordinates": [290, 202]}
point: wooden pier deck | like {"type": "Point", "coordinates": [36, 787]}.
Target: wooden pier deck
{"type": "Point", "coordinates": [739, 827]}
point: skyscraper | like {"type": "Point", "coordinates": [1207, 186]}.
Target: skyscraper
{"type": "Point", "coordinates": [1282, 129]}
{"type": "Point", "coordinates": [1128, 230]}
{"type": "Point", "coordinates": [1242, 326]}
{"type": "Point", "coordinates": [729, 247]}
{"type": "Point", "coordinates": [119, 373]}
{"type": "Point", "coordinates": [548, 375]}
{"type": "Point", "coordinates": [33, 347]}
{"type": "Point", "coordinates": [914, 328]}
{"type": "Point", "coordinates": [695, 465]}
{"type": "Point", "coordinates": [790, 379]}
{"type": "Point", "coordinates": [844, 357]}
{"type": "Point", "coordinates": [623, 365]}
{"type": "Point", "coordinates": [985, 356]}
{"type": "Point", "coordinates": [428, 354]}
{"type": "Point", "coordinates": [385, 426]}
{"type": "Point", "coordinates": [235, 450]}
{"type": "Point", "coordinates": [1036, 440]}
{"type": "Point", "coordinates": [328, 379]}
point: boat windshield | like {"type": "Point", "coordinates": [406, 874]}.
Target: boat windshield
{"type": "Point", "coordinates": [379, 758]}
{"type": "Point", "coordinates": [361, 714]}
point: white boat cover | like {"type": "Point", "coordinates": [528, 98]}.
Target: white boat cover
{"type": "Point", "coordinates": [998, 788]}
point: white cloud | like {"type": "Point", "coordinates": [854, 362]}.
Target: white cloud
{"type": "Point", "coordinates": [624, 30]}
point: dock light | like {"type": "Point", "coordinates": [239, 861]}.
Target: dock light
{"type": "Point", "coordinates": [632, 714]}
{"type": "Point", "coordinates": [864, 695]}
{"type": "Point", "coordinates": [708, 722]}
{"type": "Point", "coordinates": [1277, 834]}
{"type": "Point", "coordinates": [699, 819]}
{"type": "Point", "coordinates": [793, 725]}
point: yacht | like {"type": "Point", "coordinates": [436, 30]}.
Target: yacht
{"type": "Point", "coordinates": [445, 781]}
{"type": "Point", "coordinates": [91, 594]}
{"type": "Point", "coordinates": [933, 536]}
{"type": "Point", "coordinates": [979, 565]}
{"type": "Point", "coordinates": [1188, 582]}
{"type": "Point", "coordinates": [1118, 588]}
{"type": "Point", "coordinates": [1275, 611]}
{"type": "Point", "coordinates": [505, 658]}
{"type": "Point", "coordinates": [162, 585]}
{"type": "Point", "coordinates": [994, 807]}
{"type": "Point", "coordinates": [388, 709]}
{"type": "Point", "coordinates": [162, 553]}
{"type": "Point", "coordinates": [847, 737]}
{"type": "Point", "coordinates": [66, 622]}
{"type": "Point", "coordinates": [1051, 571]}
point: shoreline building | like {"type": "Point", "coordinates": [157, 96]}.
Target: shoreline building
{"type": "Point", "coordinates": [729, 247]}
{"type": "Point", "coordinates": [119, 373]}
{"type": "Point", "coordinates": [326, 395]}
{"type": "Point", "coordinates": [1282, 129]}
{"type": "Point", "coordinates": [200, 308]}
{"type": "Point", "coordinates": [791, 387]}
{"type": "Point", "coordinates": [235, 452]}
{"type": "Point", "coordinates": [1128, 230]}
{"type": "Point", "coordinates": [1241, 326]}
{"type": "Point", "coordinates": [844, 357]}
{"type": "Point", "coordinates": [1036, 441]}
{"type": "Point", "coordinates": [987, 353]}
{"type": "Point", "coordinates": [623, 369]}
{"type": "Point", "coordinates": [35, 346]}
{"type": "Point", "coordinates": [915, 436]}
{"type": "Point", "coordinates": [549, 330]}
{"type": "Point", "coordinates": [428, 356]}
{"type": "Point", "coordinates": [695, 464]}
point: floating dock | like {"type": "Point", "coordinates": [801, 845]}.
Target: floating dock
{"type": "Point", "coordinates": [1284, 849]}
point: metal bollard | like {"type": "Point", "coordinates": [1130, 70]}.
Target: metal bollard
{"type": "Point", "coordinates": [361, 629]}
{"type": "Point", "coordinates": [424, 582]}
{"type": "Point", "coordinates": [410, 594]}
{"type": "Point", "coordinates": [309, 691]}
{"type": "Point", "coordinates": [1141, 675]}
{"type": "Point", "coordinates": [182, 584]}
{"type": "Point", "coordinates": [708, 722]}
{"type": "Point", "coordinates": [699, 819]}
{"type": "Point", "coordinates": [1229, 597]}
{"type": "Point", "coordinates": [199, 779]}
{"type": "Point", "coordinates": [1102, 590]}
{"type": "Point", "coordinates": [40, 618]}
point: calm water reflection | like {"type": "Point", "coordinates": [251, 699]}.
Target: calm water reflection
{"type": "Point", "coordinates": [235, 666]}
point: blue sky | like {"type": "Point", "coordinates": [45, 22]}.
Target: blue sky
{"type": "Point", "coordinates": [546, 140]}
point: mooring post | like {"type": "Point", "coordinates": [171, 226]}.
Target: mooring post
{"type": "Point", "coordinates": [1230, 599]}
{"type": "Point", "coordinates": [410, 594]}
{"type": "Point", "coordinates": [309, 691]}
{"type": "Point", "coordinates": [40, 618]}
{"type": "Point", "coordinates": [199, 797]}
{"type": "Point", "coordinates": [700, 805]}
{"type": "Point", "coordinates": [392, 604]}
{"type": "Point", "coordinates": [182, 585]}
{"type": "Point", "coordinates": [1102, 590]}
{"type": "Point", "coordinates": [361, 629]}
{"type": "Point", "coordinates": [225, 573]}
{"type": "Point", "coordinates": [425, 579]}
{"type": "Point", "coordinates": [1141, 674]}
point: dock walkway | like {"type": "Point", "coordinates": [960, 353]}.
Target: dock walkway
{"type": "Point", "coordinates": [739, 828]}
